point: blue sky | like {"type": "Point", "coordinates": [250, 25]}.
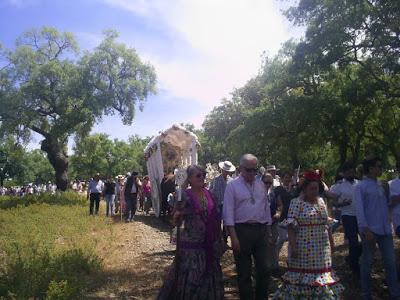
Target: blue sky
{"type": "Point", "coordinates": [201, 49]}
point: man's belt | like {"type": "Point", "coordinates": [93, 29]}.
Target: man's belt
{"type": "Point", "coordinates": [251, 224]}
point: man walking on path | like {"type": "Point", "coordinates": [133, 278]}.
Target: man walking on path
{"type": "Point", "coordinates": [94, 192]}
{"type": "Point", "coordinates": [247, 216]}
{"type": "Point", "coordinates": [109, 195]}
{"type": "Point", "coordinates": [372, 209]}
{"type": "Point", "coordinates": [131, 190]}
{"type": "Point", "coordinates": [343, 192]}
{"type": "Point", "coordinates": [218, 185]}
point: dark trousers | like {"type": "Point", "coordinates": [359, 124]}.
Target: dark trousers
{"type": "Point", "coordinates": [131, 205]}
{"type": "Point", "coordinates": [164, 207]}
{"type": "Point", "coordinates": [94, 199]}
{"type": "Point", "coordinates": [253, 239]}
{"type": "Point", "coordinates": [351, 233]}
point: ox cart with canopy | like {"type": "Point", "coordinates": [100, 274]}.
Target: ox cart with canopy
{"type": "Point", "coordinates": [173, 149]}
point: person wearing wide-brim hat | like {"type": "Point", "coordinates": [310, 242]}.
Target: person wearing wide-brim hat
{"type": "Point", "coordinates": [271, 169]}
{"type": "Point", "coordinates": [218, 185]}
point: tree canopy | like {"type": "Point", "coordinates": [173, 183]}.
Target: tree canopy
{"type": "Point", "coordinates": [330, 97]}
{"type": "Point", "coordinates": [98, 153]}
{"type": "Point", "coordinates": [47, 86]}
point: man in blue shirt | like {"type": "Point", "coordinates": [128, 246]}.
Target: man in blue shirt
{"type": "Point", "coordinates": [372, 210]}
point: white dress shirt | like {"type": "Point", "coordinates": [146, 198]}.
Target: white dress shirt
{"type": "Point", "coordinates": [244, 203]}
{"type": "Point", "coordinates": [345, 190]}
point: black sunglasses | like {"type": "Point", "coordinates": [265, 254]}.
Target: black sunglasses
{"type": "Point", "coordinates": [267, 182]}
{"type": "Point", "coordinates": [201, 175]}
{"type": "Point", "coordinates": [250, 170]}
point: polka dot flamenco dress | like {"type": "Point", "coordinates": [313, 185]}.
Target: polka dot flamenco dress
{"type": "Point", "coordinates": [310, 274]}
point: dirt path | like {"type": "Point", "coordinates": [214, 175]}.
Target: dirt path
{"type": "Point", "coordinates": [137, 257]}
{"type": "Point", "coordinates": [138, 254]}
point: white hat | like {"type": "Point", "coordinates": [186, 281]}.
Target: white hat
{"type": "Point", "coordinates": [227, 166]}
{"type": "Point", "coordinates": [272, 168]}
{"type": "Point", "coordinates": [128, 174]}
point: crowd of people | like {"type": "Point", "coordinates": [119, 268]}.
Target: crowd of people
{"type": "Point", "coordinates": [255, 211]}
{"type": "Point", "coordinates": [28, 189]}
{"type": "Point", "coordinates": [121, 195]}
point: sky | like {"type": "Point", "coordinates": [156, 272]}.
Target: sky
{"type": "Point", "coordinates": [201, 49]}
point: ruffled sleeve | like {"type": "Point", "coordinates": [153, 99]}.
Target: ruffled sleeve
{"type": "Point", "coordinates": [294, 211]}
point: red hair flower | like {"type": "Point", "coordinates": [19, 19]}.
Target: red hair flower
{"type": "Point", "coordinates": [312, 175]}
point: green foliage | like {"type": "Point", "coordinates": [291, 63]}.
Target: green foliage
{"type": "Point", "coordinates": [42, 274]}
{"type": "Point", "coordinates": [37, 168]}
{"type": "Point", "coordinates": [332, 97]}
{"type": "Point", "coordinates": [360, 39]}
{"type": "Point", "coordinates": [24, 166]}
{"type": "Point", "coordinates": [99, 154]}
{"type": "Point", "coordinates": [60, 291]}
{"type": "Point", "coordinates": [46, 249]}
{"type": "Point", "coordinates": [60, 198]}
{"type": "Point", "coordinates": [48, 88]}
{"type": "Point", "coordinates": [11, 157]}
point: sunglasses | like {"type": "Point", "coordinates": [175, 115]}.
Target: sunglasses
{"type": "Point", "coordinates": [267, 182]}
{"type": "Point", "coordinates": [201, 175]}
{"type": "Point", "coordinates": [250, 170]}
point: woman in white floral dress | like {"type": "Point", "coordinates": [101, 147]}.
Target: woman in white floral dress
{"type": "Point", "coordinates": [310, 274]}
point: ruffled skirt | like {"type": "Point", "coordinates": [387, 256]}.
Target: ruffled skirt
{"type": "Point", "coordinates": [299, 285]}
{"type": "Point", "coordinates": [193, 281]}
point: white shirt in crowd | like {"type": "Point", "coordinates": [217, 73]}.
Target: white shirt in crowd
{"type": "Point", "coordinates": [244, 203]}
{"type": "Point", "coordinates": [96, 186]}
{"type": "Point", "coordinates": [277, 181]}
{"type": "Point", "coordinates": [394, 188]}
{"type": "Point", "coordinates": [344, 189]}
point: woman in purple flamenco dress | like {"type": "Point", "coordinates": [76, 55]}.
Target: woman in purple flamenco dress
{"type": "Point", "coordinates": [196, 273]}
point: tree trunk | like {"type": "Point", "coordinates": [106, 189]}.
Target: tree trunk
{"type": "Point", "coordinates": [58, 158]}
{"type": "Point", "coordinates": [342, 147]}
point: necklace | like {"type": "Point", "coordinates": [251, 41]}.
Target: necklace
{"type": "Point", "coordinates": [251, 192]}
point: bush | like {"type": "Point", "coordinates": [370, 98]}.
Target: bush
{"type": "Point", "coordinates": [45, 275]}
{"type": "Point", "coordinates": [48, 246]}
{"type": "Point", "coordinates": [60, 291]}
{"type": "Point", "coordinates": [59, 198]}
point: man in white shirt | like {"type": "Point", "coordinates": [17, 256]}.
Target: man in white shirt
{"type": "Point", "coordinates": [394, 191]}
{"type": "Point", "coordinates": [273, 170]}
{"type": "Point", "coordinates": [343, 192]}
{"type": "Point", "coordinates": [247, 217]}
{"type": "Point", "coordinates": [94, 192]}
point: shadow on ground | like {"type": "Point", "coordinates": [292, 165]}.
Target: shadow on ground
{"type": "Point", "coordinates": [160, 224]}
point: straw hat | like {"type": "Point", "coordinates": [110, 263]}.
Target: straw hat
{"type": "Point", "coordinates": [272, 168]}
{"type": "Point", "coordinates": [227, 166]}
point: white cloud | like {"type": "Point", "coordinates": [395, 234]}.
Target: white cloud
{"type": "Point", "coordinates": [227, 37]}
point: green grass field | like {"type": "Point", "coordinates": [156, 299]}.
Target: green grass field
{"type": "Point", "coordinates": [47, 246]}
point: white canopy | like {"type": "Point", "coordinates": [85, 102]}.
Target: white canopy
{"type": "Point", "coordinates": [174, 147]}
